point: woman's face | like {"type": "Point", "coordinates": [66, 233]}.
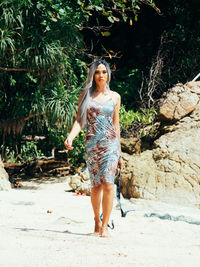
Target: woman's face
{"type": "Point", "coordinates": [101, 75]}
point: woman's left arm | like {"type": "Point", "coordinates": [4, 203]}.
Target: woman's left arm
{"type": "Point", "coordinates": [116, 122]}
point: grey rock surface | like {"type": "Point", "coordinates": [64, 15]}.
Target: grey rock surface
{"type": "Point", "coordinates": [171, 170]}
{"type": "Point", "coordinates": [179, 101]}
{"type": "Point", "coordinates": [4, 183]}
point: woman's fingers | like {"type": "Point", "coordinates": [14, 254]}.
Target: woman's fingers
{"type": "Point", "coordinates": [68, 144]}
{"type": "Point", "coordinates": [70, 147]}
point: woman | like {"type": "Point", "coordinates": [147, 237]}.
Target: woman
{"type": "Point", "coordinates": [98, 110]}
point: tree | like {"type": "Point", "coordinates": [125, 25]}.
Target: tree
{"type": "Point", "coordinates": [41, 66]}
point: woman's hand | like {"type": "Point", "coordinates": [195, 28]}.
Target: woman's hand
{"type": "Point", "coordinates": [120, 162]}
{"type": "Point", "coordinates": [68, 143]}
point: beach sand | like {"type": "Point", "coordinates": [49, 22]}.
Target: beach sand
{"type": "Point", "coordinates": [43, 224]}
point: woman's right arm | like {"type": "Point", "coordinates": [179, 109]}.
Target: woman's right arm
{"type": "Point", "coordinates": [76, 128]}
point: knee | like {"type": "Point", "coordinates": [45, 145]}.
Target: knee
{"type": "Point", "coordinates": [96, 190]}
{"type": "Point", "coordinates": [108, 188]}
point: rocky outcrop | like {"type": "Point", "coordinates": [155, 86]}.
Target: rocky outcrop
{"type": "Point", "coordinates": [171, 170]}
{"type": "Point", "coordinates": [4, 183]}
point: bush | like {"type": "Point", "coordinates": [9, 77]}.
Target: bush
{"type": "Point", "coordinates": [137, 121]}
{"type": "Point", "coordinates": [28, 151]}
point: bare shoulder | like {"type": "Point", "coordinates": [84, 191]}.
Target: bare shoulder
{"type": "Point", "coordinates": [81, 94]}
{"type": "Point", "coordinates": [116, 97]}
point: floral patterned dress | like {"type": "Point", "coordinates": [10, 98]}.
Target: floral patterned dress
{"type": "Point", "coordinates": [101, 143]}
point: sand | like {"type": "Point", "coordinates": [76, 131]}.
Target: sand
{"type": "Point", "coordinates": [43, 224]}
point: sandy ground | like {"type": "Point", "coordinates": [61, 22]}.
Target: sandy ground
{"type": "Point", "coordinates": [31, 236]}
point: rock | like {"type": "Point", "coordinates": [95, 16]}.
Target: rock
{"type": "Point", "coordinates": [135, 176]}
{"type": "Point", "coordinates": [84, 175]}
{"type": "Point", "coordinates": [186, 104]}
{"type": "Point", "coordinates": [171, 170]}
{"type": "Point", "coordinates": [179, 102]}
{"type": "Point", "coordinates": [194, 87]}
{"type": "Point", "coordinates": [4, 182]}
{"type": "Point", "coordinates": [80, 182]}
{"type": "Point", "coordinates": [131, 145]}
{"type": "Point", "coordinates": [166, 111]}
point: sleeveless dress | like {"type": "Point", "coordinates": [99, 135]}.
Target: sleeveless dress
{"type": "Point", "coordinates": [101, 142]}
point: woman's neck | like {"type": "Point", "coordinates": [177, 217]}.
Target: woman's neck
{"type": "Point", "coordinates": [101, 89]}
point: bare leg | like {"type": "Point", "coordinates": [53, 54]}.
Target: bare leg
{"type": "Point", "coordinates": [107, 205]}
{"type": "Point", "coordinates": [96, 201]}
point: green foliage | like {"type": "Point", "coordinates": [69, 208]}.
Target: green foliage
{"type": "Point", "coordinates": [141, 118]}
{"type": "Point", "coordinates": [28, 151]}
{"type": "Point", "coordinates": [127, 84]}
{"type": "Point", "coordinates": [114, 11]}
{"type": "Point", "coordinates": [182, 49]}
{"type": "Point", "coordinates": [10, 155]}
{"type": "Point", "coordinates": [56, 104]}
{"type": "Point", "coordinates": [147, 117]}
{"type": "Point", "coordinates": [41, 71]}
{"type": "Point", "coordinates": [39, 46]}
{"type": "Point", "coordinates": [77, 155]}
{"type": "Point", "coordinates": [126, 118]}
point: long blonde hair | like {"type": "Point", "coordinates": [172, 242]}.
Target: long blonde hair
{"type": "Point", "coordinates": [89, 89]}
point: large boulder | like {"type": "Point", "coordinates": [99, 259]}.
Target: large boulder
{"type": "Point", "coordinates": [4, 182]}
{"type": "Point", "coordinates": [171, 170]}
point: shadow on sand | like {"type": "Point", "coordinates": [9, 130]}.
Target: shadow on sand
{"type": "Point", "coordinates": [52, 231]}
